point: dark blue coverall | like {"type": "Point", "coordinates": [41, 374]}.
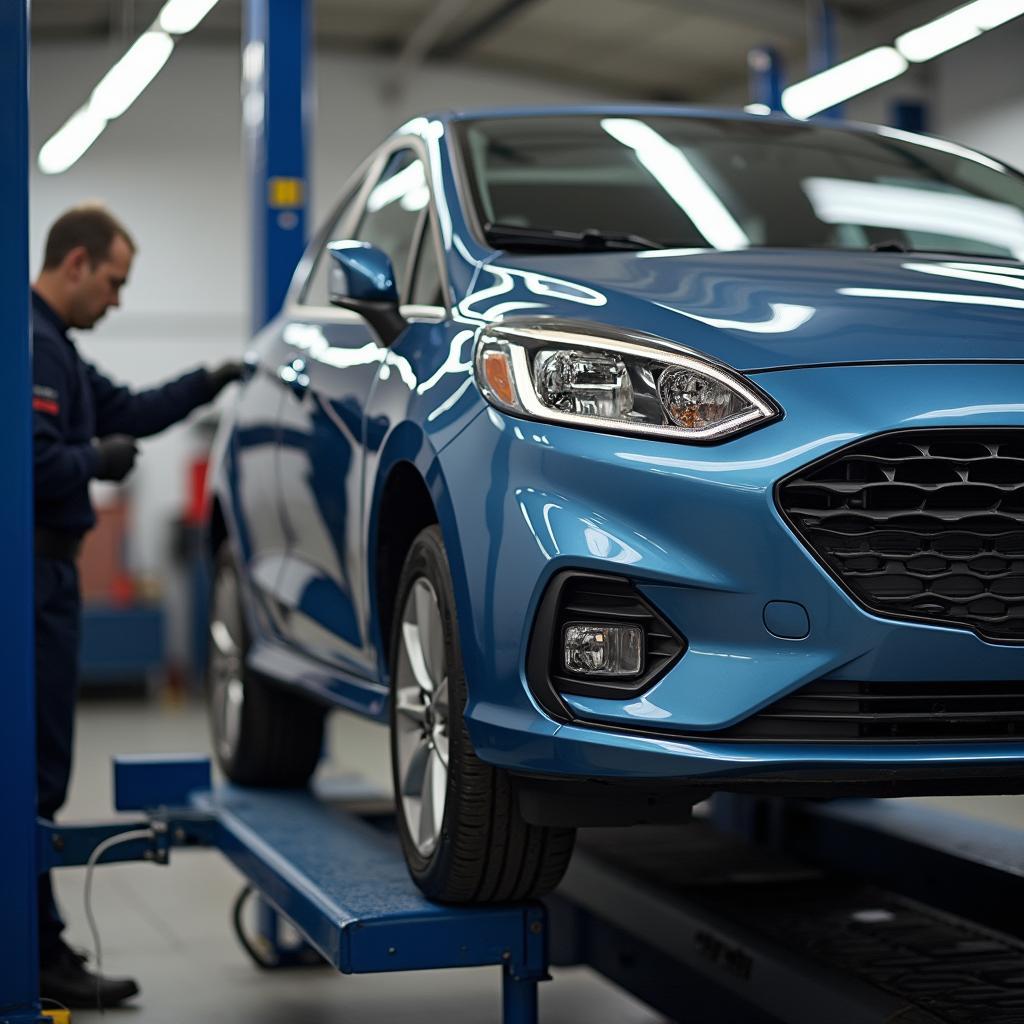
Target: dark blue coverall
{"type": "Point", "coordinates": [72, 403]}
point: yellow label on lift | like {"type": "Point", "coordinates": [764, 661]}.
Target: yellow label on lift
{"type": "Point", "coordinates": [285, 193]}
{"type": "Point", "coordinates": [58, 1016]}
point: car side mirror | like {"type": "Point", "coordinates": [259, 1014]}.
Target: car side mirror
{"type": "Point", "coordinates": [361, 278]}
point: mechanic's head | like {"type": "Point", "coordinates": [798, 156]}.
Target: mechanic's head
{"type": "Point", "coordinates": [86, 263]}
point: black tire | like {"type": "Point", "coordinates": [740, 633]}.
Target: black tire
{"type": "Point", "coordinates": [484, 852]}
{"type": "Point", "coordinates": [270, 737]}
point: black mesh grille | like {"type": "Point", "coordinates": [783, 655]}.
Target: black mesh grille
{"type": "Point", "coordinates": [839, 710]}
{"type": "Point", "coordinates": [927, 525]}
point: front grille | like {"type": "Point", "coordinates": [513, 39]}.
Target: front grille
{"type": "Point", "coordinates": [838, 710]}
{"type": "Point", "coordinates": [926, 525]}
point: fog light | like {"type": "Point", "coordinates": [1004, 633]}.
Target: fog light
{"type": "Point", "coordinates": [603, 650]}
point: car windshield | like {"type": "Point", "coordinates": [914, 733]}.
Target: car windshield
{"type": "Point", "coordinates": [704, 182]}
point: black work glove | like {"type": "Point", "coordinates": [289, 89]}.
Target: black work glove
{"type": "Point", "coordinates": [116, 457]}
{"type": "Point", "coordinates": [223, 375]}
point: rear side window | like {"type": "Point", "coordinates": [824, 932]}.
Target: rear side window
{"type": "Point", "coordinates": [393, 211]}
{"type": "Point", "coordinates": [315, 291]}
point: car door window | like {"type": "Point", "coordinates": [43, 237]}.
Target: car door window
{"type": "Point", "coordinates": [393, 210]}
{"type": "Point", "coordinates": [427, 289]}
{"type": "Point", "coordinates": [314, 292]}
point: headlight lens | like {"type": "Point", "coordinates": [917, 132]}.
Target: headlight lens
{"type": "Point", "coordinates": [590, 375]}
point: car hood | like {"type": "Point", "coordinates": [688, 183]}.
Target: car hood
{"type": "Point", "coordinates": [771, 308]}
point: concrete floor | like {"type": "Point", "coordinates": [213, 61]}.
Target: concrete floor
{"type": "Point", "coordinates": [169, 927]}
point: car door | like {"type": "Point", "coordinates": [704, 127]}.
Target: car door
{"type": "Point", "coordinates": [332, 363]}
{"type": "Point", "coordinates": [250, 464]}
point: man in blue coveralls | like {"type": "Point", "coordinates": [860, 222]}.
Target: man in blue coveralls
{"type": "Point", "coordinates": [84, 429]}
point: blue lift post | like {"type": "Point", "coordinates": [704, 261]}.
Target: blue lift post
{"type": "Point", "coordinates": [822, 48]}
{"type": "Point", "coordinates": [277, 111]}
{"type": "Point", "coordinates": [766, 74]}
{"type": "Point", "coordinates": [19, 966]}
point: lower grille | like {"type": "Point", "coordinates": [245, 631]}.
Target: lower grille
{"type": "Point", "coordinates": [925, 525]}
{"type": "Point", "coordinates": [839, 710]}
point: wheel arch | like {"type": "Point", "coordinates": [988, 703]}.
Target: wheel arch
{"type": "Point", "coordinates": [410, 494]}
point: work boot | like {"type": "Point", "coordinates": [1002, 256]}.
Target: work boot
{"type": "Point", "coordinates": [64, 978]}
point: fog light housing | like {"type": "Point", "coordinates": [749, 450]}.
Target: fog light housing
{"type": "Point", "coordinates": [602, 649]}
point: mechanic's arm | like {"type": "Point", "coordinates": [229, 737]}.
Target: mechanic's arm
{"type": "Point", "coordinates": [119, 410]}
{"type": "Point", "coordinates": [59, 468]}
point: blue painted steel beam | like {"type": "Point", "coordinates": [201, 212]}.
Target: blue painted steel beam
{"type": "Point", "coordinates": [19, 944]}
{"type": "Point", "coordinates": [766, 74]}
{"type": "Point", "coordinates": [345, 886]}
{"type": "Point", "coordinates": [823, 45]}
{"type": "Point", "coordinates": [277, 110]}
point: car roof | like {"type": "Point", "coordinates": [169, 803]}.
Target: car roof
{"type": "Point", "coordinates": [627, 109]}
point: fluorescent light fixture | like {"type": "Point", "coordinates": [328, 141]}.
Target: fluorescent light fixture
{"type": "Point", "coordinates": [74, 137]}
{"type": "Point", "coordinates": [181, 16]}
{"type": "Point", "coordinates": [757, 108]}
{"type": "Point", "coordinates": [841, 82]}
{"type": "Point", "coordinates": [678, 177]}
{"type": "Point", "coordinates": [121, 86]}
{"type": "Point", "coordinates": [921, 44]}
{"type": "Point", "coordinates": [958, 27]}
{"type": "Point", "coordinates": [993, 13]}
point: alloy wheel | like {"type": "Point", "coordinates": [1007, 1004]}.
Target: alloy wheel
{"type": "Point", "coordinates": [421, 717]}
{"type": "Point", "coordinates": [227, 690]}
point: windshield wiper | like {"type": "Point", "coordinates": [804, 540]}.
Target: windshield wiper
{"type": "Point", "coordinates": [510, 236]}
{"type": "Point", "coordinates": [893, 245]}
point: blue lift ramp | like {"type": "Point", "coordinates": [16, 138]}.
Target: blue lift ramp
{"type": "Point", "coordinates": [341, 881]}
{"type": "Point", "coordinates": [768, 912]}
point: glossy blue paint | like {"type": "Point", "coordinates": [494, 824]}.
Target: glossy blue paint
{"type": "Point", "coordinates": [362, 272]}
{"type": "Point", "coordinates": [277, 110]}
{"type": "Point", "coordinates": [848, 343]}
{"type": "Point", "coordinates": [19, 964]}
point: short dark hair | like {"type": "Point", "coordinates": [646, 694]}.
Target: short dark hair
{"type": "Point", "coordinates": [89, 224]}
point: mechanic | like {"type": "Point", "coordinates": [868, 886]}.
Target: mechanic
{"type": "Point", "coordinates": [84, 428]}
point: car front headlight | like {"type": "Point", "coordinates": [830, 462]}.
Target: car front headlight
{"type": "Point", "coordinates": [603, 378]}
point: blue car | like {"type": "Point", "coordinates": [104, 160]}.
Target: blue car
{"type": "Point", "coordinates": [620, 456]}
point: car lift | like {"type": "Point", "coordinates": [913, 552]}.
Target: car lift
{"type": "Point", "coordinates": [850, 912]}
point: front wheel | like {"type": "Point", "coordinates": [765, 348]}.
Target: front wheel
{"type": "Point", "coordinates": [458, 820]}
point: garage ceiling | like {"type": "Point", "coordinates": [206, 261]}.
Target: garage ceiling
{"type": "Point", "coordinates": [643, 49]}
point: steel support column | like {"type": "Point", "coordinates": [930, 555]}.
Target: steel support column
{"type": "Point", "coordinates": [19, 954]}
{"type": "Point", "coordinates": [277, 113]}
{"type": "Point", "coordinates": [822, 45]}
{"type": "Point", "coordinates": [765, 68]}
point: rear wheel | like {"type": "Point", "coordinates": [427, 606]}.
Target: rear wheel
{"type": "Point", "coordinates": [263, 735]}
{"type": "Point", "coordinates": [459, 823]}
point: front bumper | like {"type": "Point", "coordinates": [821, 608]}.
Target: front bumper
{"type": "Point", "coordinates": [697, 531]}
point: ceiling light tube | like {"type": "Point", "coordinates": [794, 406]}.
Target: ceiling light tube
{"type": "Point", "coordinates": [956, 28]}
{"type": "Point", "coordinates": [121, 86]}
{"type": "Point", "coordinates": [938, 36]}
{"type": "Point", "coordinates": [181, 16]}
{"type": "Point", "coordinates": [71, 140]}
{"type": "Point", "coordinates": [843, 81]}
